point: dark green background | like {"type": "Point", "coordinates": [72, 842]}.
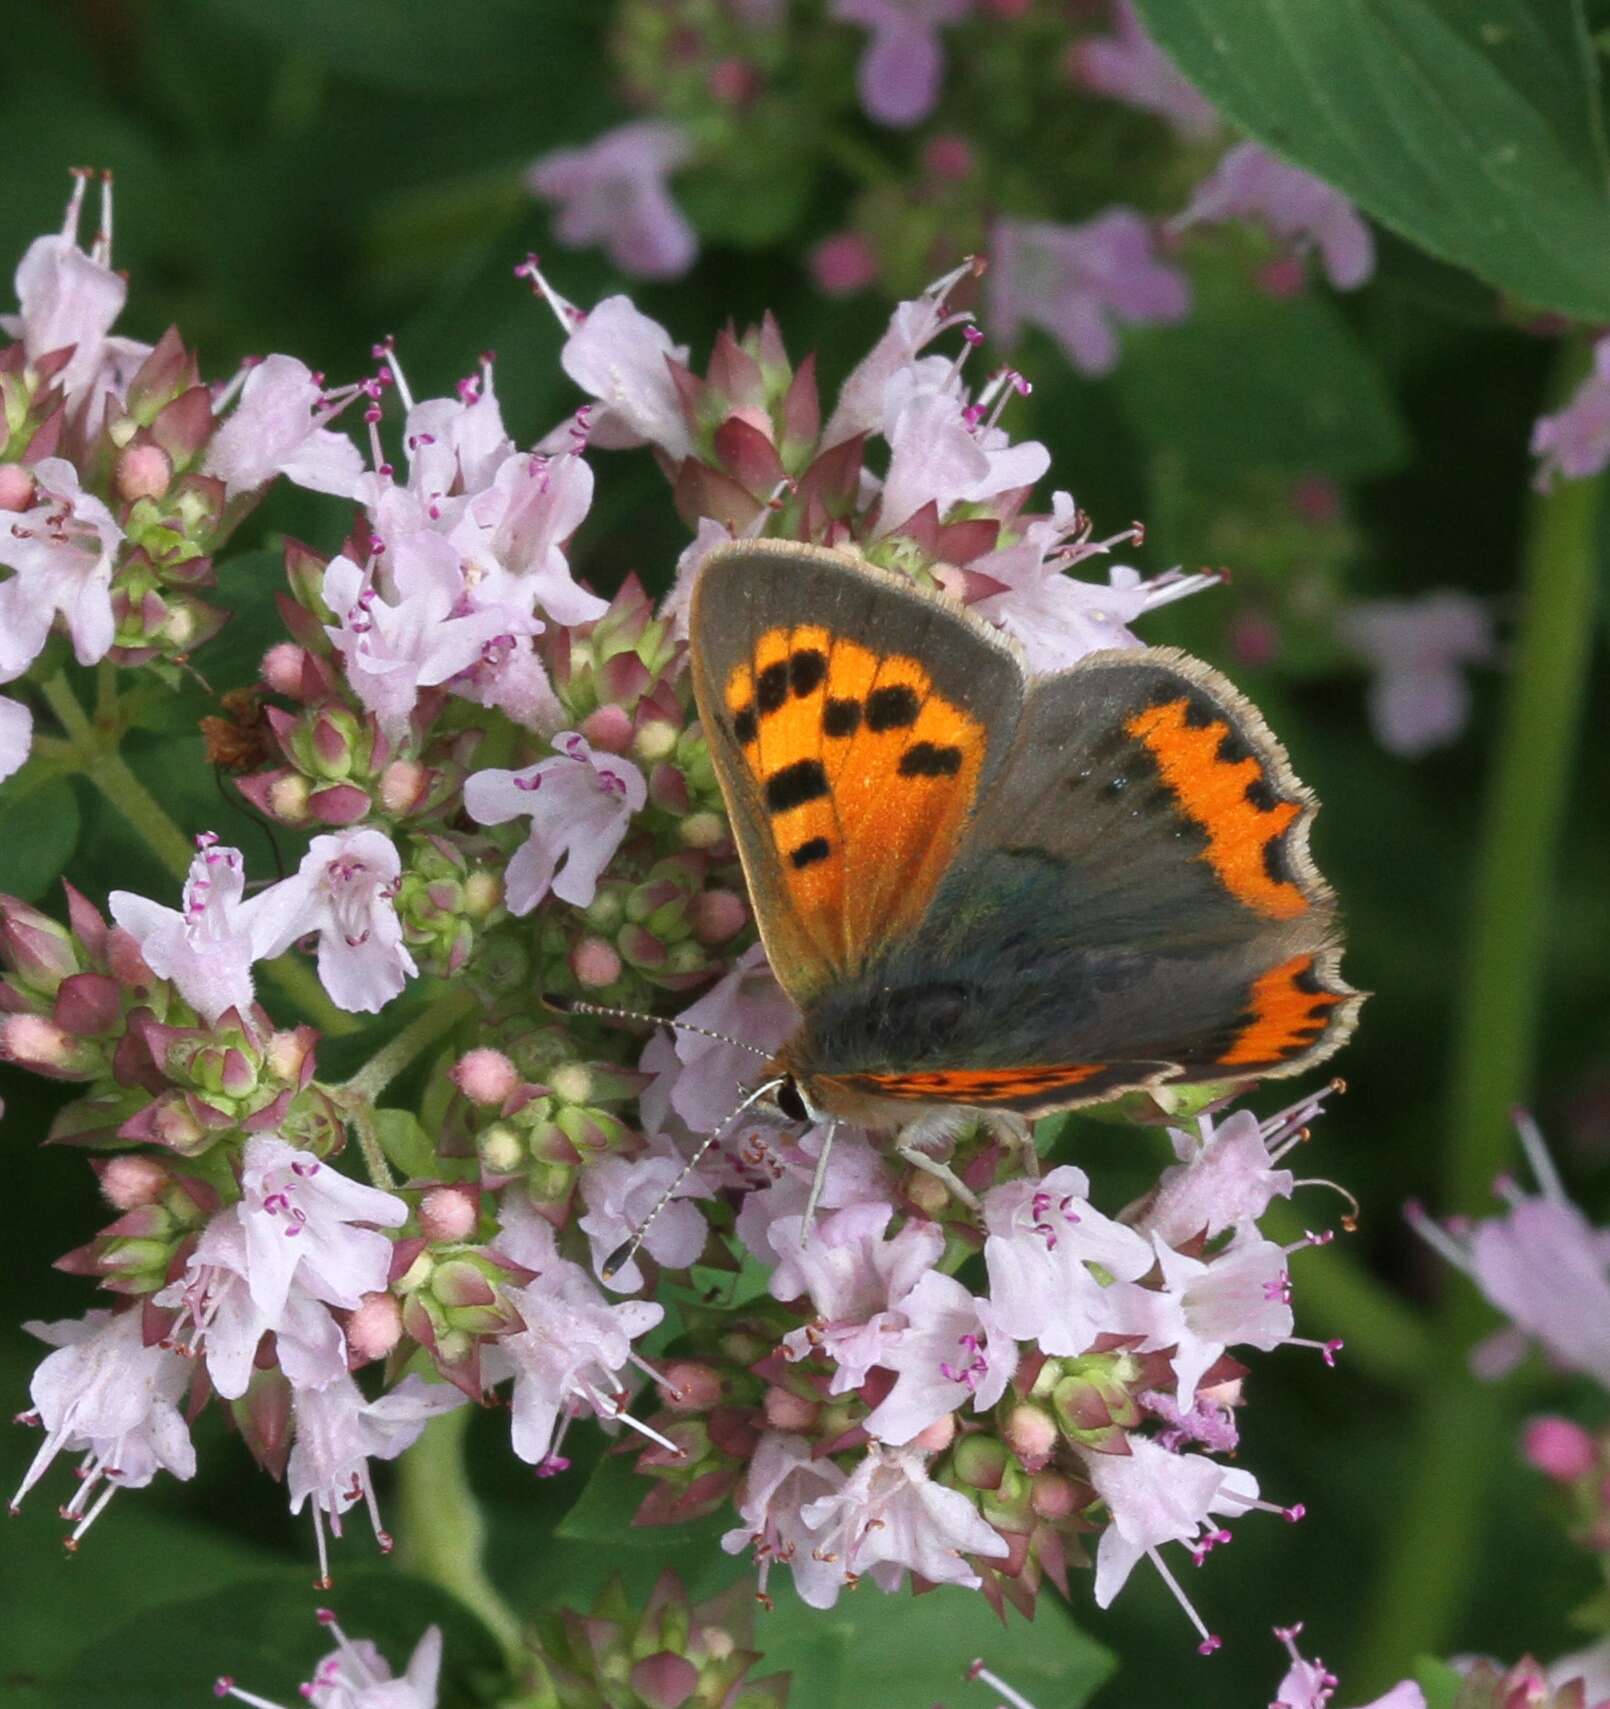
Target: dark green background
{"type": "Point", "coordinates": [308, 177]}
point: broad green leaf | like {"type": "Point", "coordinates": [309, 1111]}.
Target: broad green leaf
{"type": "Point", "coordinates": [909, 1652]}
{"type": "Point", "coordinates": [1438, 1681]}
{"type": "Point", "coordinates": [1474, 130]}
{"type": "Point", "coordinates": [261, 1632]}
{"type": "Point", "coordinates": [41, 832]}
{"type": "Point", "coordinates": [406, 1144]}
{"type": "Point", "coordinates": [1252, 380]}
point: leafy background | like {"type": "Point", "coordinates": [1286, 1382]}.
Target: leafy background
{"type": "Point", "coordinates": [308, 176]}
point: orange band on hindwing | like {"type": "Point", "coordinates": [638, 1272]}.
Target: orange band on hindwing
{"type": "Point", "coordinates": [1221, 786]}
{"type": "Point", "coordinates": [1287, 1012]}
{"type": "Point", "coordinates": [865, 774]}
{"type": "Point", "coordinates": [980, 1085]}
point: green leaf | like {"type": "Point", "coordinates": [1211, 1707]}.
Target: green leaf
{"type": "Point", "coordinates": [406, 1144]}
{"type": "Point", "coordinates": [603, 1514]}
{"type": "Point", "coordinates": [42, 826]}
{"type": "Point", "coordinates": [1252, 380]}
{"type": "Point", "coordinates": [1475, 131]}
{"type": "Point", "coordinates": [909, 1652]}
{"type": "Point", "coordinates": [1438, 1681]}
{"type": "Point", "coordinates": [261, 1632]}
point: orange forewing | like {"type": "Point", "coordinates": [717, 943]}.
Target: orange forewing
{"type": "Point", "coordinates": [1287, 1012]}
{"type": "Point", "coordinates": [866, 775]}
{"type": "Point", "coordinates": [979, 1085]}
{"type": "Point", "coordinates": [1223, 797]}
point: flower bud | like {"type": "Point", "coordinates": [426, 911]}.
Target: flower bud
{"type": "Point", "coordinates": [142, 471]}
{"type": "Point", "coordinates": [609, 728]}
{"type": "Point", "coordinates": [936, 1437]}
{"type": "Point", "coordinates": [375, 1326]}
{"type": "Point", "coordinates": [1559, 1448]}
{"type": "Point", "coordinates": [448, 1213]}
{"type": "Point", "coordinates": [786, 1410]}
{"type": "Point", "coordinates": [486, 1076]}
{"type": "Point", "coordinates": [132, 1180]}
{"type": "Point", "coordinates": [980, 1462]}
{"type": "Point", "coordinates": [690, 1387]}
{"type": "Point", "coordinates": [703, 830]}
{"type": "Point", "coordinates": [500, 1148]}
{"type": "Point", "coordinates": [572, 1084]}
{"type": "Point", "coordinates": [16, 487]}
{"type": "Point", "coordinates": [718, 915]}
{"type": "Point", "coordinates": [281, 669]}
{"type": "Point", "coordinates": [655, 741]}
{"type": "Point", "coordinates": [1053, 1496]}
{"type": "Point", "coordinates": [483, 891]}
{"type": "Point", "coordinates": [1031, 1433]}
{"type": "Point", "coordinates": [404, 785]}
{"type": "Point", "coordinates": [595, 963]}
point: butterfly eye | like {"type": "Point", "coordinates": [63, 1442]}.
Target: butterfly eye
{"type": "Point", "coordinates": [790, 1102]}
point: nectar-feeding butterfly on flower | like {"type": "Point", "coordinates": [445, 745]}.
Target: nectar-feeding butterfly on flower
{"type": "Point", "coordinates": [995, 893]}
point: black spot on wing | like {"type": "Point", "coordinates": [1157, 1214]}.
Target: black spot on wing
{"type": "Point", "coordinates": [809, 853]}
{"type": "Point", "coordinates": [806, 669]}
{"type": "Point", "coordinates": [892, 708]}
{"type": "Point", "coordinates": [928, 759]}
{"type": "Point", "coordinates": [841, 718]}
{"type": "Point", "coordinates": [743, 725]}
{"type": "Point", "coordinates": [1261, 794]}
{"type": "Point", "coordinates": [1275, 862]}
{"type": "Point", "coordinates": [794, 785]}
{"type": "Point", "coordinates": [771, 687]}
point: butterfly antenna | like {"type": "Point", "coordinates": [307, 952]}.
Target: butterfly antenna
{"type": "Point", "coordinates": [576, 1006]}
{"type": "Point", "coordinates": [818, 1181]}
{"type": "Point", "coordinates": [627, 1251]}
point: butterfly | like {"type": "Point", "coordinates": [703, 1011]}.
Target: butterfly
{"type": "Point", "coordinates": [997, 893]}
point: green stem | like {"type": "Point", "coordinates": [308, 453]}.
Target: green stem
{"type": "Point", "coordinates": [1460, 1427]}
{"type": "Point", "coordinates": [111, 775]}
{"type": "Point", "coordinates": [417, 1037]}
{"type": "Point", "coordinates": [442, 1536]}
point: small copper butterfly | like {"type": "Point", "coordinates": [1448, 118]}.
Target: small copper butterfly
{"type": "Point", "coordinates": [1011, 894]}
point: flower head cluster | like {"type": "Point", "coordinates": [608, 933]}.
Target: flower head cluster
{"type": "Point", "coordinates": [507, 799]}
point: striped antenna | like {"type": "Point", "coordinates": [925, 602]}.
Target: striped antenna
{"type": "Point", "coordinates": [575, 1006]}
{"type": "Point", "coordinates": [627, 1251]}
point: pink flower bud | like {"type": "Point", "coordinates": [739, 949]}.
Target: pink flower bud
{"type": "Point", "coordinates": [485, 1076]}
{"type": "Point", "coordinates": [609, 728]}
{"type": "Point", "coordinates": [288, 798]}
{"type": "Point", "coordinates": [375, 1326]}
{"type": "Point", "coordinates": [1559, 1448]}
{"type": "Point", "coordinates": [717, 915]}
{"type": "Point", "coordinates": [448, 1213]}
{"type": "Point", "coordinates": [37, 1043]}
{"type": "Point", "coordinates": [1316, 499]}
{"type": "Point", "coordinates": [843, 264]}
{"type": "Point", "coordinates": [286, 1052]}
{"type": "Point", "coordinates": [281, 668]}
{"type": "Point", "coordinates": [1031, 1434]}
{"type": "Point", "coordinates": [733, 82]}
{"type": "Point", "coordinates": [690, 1387]}
{"type": "Point", "coordinates": [1285, 276]}
{"type": "Point", "coordinates": [402, 786]}
{"type": "Point", "coordinates": [1053, 1496]}
{"type": "Point", "coordinates": [938, 1436]}
{"type": "Point", "coordinates": [16, 487]}
{"type": "Point", "coordinates": [131, 1181]}
{"type": "Point", "coordinates": [788, 1411]}
{"type": "Point", "coordinates": [143, 471]}
{"type": "Point", "coordinates": [948, 156]}
{"type": "Point", "coordinates": [595, 962]}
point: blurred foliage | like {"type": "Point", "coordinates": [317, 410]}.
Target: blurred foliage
{"type": "Point", "coordinates": [309, 176]}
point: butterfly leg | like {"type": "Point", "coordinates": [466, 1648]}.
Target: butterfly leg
{"type": "Point", "coordinates": [1015, 1131]}
{"type": "Point", "coordinates": [937, 1125]}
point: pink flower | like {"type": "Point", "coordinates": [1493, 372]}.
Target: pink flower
{"type": "Point", "coordinates": [889, 1517]}
{"type": "Point", "coordinates": [68, 297]}
{"type": "Point", "coordinates": [16, 736]}
{"type": "Point", "coordinates": [618, 355]}
{"type": "Point", "coordinates": [698, 1078]}
{"type": "Point", "coordinates": [357, 1676]}
{"type": "Point", "coordinates": [1575, 441]}
{"type": "Point", "coordinates": [1311, 1685]}
{"type": "Point", "coordinates": [619, 1193]}
{"type": "Point", "coordinates": [1296, 209]}
{"type": "Point", "coordinates": [1132, 68]}
{"type": "Point", "coordinates": [1155, 1497]}
{"type": "Point", "coordinates": [62, 549]}
{"type": "Point", "coordinates": [1226, 1173]}
{"type": "Point", "coordinates": [612, 193]}
{"type": "Point", "coordinates": [856, 1280]}
{"type": "Point", "coordinates": [580, 805]}
{"type": "Point", "coordinates": [707, 537]}
{"type": "Point", "coordinates": [843, 264]}
{"type": "Point", "coordinates": [568, 1357]}
{"type": "Point", "coordinates": [103, 1393]}
{"type": "Point", "coordinates": [904, 63]}
{"type": "Point", "coordinates": [208, 946]}
{"type": "Point", "coordinates": [1418, 697]}
{"type": "Point", "coordinates": [912, 328]}
{"type": "Point", "coordinates": [405, 628]}
{"type": "Point", "coordinates": [511, 678]}
{"type": "Point", "coordinates": [455, 445]}
{"type": "Point", "coordinates": [278, 428]}
{"type": "Point", "coordinates": [944, 450]}
{"type": "Point", "coordinates": [226, 1308]}
{"type": "Point", "coordinates": [1239, 1298]}
{"type": "Point", "coordinates": [783, 1480]}
{"type": "Point", "coordinates": [511, 537]}
{"type": "Point", "coordinates": [856, 1174]}
{"type": "Point", "coordinates": [1043, 1238]}
{"type": "Point", "coordinates": [338, 1432]}
{"type": "Point", "coordinates": [344, 891]}
{"type": "Point", "coordinates": [953, 1350]}
{"type": "Point", "coordinates": [1077, 282]}
{"type": "Point", "coordinates": [1055, 619]}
